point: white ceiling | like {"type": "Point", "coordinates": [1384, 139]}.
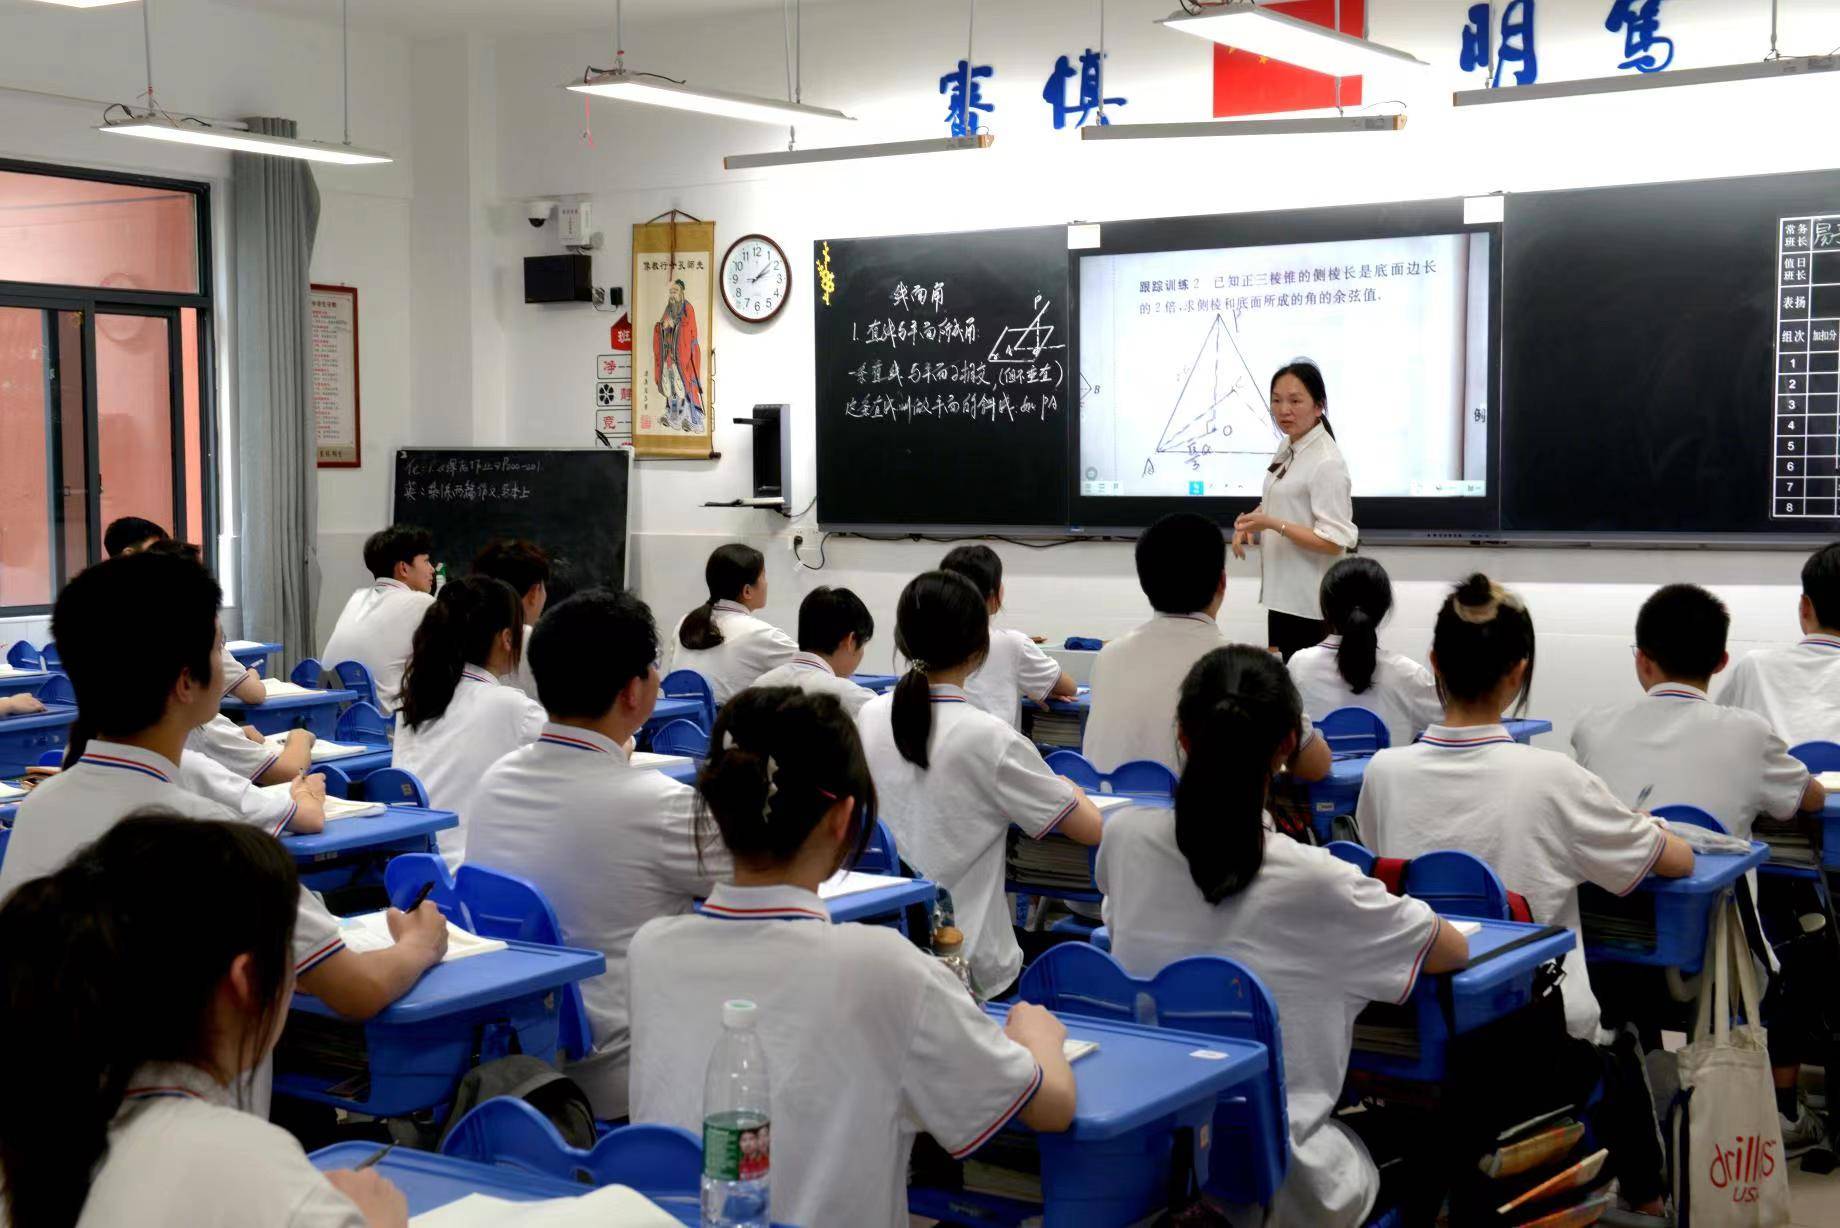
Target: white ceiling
{"type": "Point", "coordinates": [433, 18]}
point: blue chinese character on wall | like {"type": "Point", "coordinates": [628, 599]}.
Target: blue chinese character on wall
{"type": "Point", "coordinates": [1476, 40]}
{"type": "Point", "coordinates": [965, 97]}
{"type": "Point", "coordinates": [1640, 26]}
{"type": "Point", "coordinates": [1516, 47]}
{"type": "Point", "coordinates": [1055, 91]}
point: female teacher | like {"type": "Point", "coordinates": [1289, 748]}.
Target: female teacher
{"type": "Point", "coordinates": [1306, 519]}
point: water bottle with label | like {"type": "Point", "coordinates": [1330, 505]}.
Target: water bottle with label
{"type": "Point", "coordinates": [737, 1124]}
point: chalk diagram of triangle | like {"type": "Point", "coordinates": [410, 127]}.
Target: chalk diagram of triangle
{"type": "Point", "coordinates": [1220, 407]}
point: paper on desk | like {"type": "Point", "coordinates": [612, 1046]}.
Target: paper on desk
{"type": "Point", "coordinates": [1468, 929]}
{"type": "Point", "coordinates": [13, 671]}
{"type": "Point", "coordinates": [369, 931]}
{"type": "Point", "coordinates": [281, 686]}
{"type": "Point", "coordinates": [344, 808]}
{"type": "Point", "coordinates": [10, 793]}
{"type": "Point", "coordinates": [242, 645]}
{"type": "Point", "coordinates": [646, 758]}
{"type": "Point", "coordinates": [1107, 802]}
{"type": "Point", "coordinates": [850, 882]}
{"type": "Point", "coordinates": [1073, 1050]}
{"type": "Point", "coordinates": [1829, 780]}
{"type": "Point", "coordinates": [321, 750]}
{"type": "Point", "coordinates": [611, 1206]}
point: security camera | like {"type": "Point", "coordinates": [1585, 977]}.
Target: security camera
{"type": "Point", "coordinates": [538, 211]}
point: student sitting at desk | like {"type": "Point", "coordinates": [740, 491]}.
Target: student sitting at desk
{"type": "Point", "coordinates": [722, 639]}
{"type": "Point", "coordinates": [1211, 877]}
{"type": "Point", "coordinates": [1349, 669]}
{"type": "Point", "coordinates": [525, 567]}
{"type": "Point", "coordinates": [130, 535]}
{"type": "Point", "coordinates": [21, 704]}
{"type": "Point", "coordinates": [1015, 666]}
{"type": "Point", "coordinates": [834, 629]}
{"type": "Point", "coordinates": [377, 626]}
{"type": "Point", "coordinates": [1797, 689]}
{"type": "Point", "coordinates": [457, 720]}
{"type": "Point", "coordinates": [1543, 823]}
{"type": "Point", "coordinates": [953, 778]}
{"type": "Point", "coordinates": [610, 844]}
{"type": "Point", "coordinates": [868, 1039]}
{"type": "Point", "coordinates": [137, 697]}
{"type": "Point", "coordinates": [135, 1105]}
{"type": "Point", "coordinates": [1182, 568]}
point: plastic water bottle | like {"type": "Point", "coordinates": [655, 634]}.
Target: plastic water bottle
{"type": "Point", "coordinates": [737, 1118]}
{"type": "Point", "coordinates": [949, 949]}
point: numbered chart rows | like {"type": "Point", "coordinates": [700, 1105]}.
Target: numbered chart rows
{"type": "Point", "coordinates": [1789, 423]}
{"type": "Point", "coordinates": [1794, 362]}
{"type": "Point", "coordinates": [1817, 462]}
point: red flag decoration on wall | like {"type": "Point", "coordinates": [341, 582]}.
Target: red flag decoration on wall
{"type": "Point", "coordinates": [1246, 83]}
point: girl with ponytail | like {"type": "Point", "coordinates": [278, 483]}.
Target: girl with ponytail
{"type": "Point", "coordinates": [457, 719]}
{"type": "Point", "coordinates": [131, 1109]}
{"type": "Point", "coordinates": [1351, 670]}
{"type": "Point", "coordinates": [1209, 876]}
{"type": "Point", "coordinates": [953, 778]}
{"type": "Point", "coordinates": [722, 639]}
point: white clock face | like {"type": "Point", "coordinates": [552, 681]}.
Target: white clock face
{"type": "Point", "coordinates": [755, 278]}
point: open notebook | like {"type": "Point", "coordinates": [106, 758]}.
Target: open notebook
{"type": "Point", "coordinates": [611, 1206]}
{"type": "Point", "coordinates": [645, 758]}
{"type": "Point", "coordinates": [242, 645]}
{"type": "Point", "coordinates": [345, 808]}
{"type": "Point", "coordinates": [277, 687]}
{"type": "Point", "coordinates": [321, 750]}
{"type": "Point", "coordinates": [1829, 780]}
{"type": "Point", "coordinates": [851, 882]}
{"type": "Point", "coordinates": [10, 792]}
{"type": "Point", "coordinates": [370, 932]}
{"type": "Point", "coordinates": [13, 671]}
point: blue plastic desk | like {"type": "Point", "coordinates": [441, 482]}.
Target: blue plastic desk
{"type": "Point", "coordinates": [1830, 833]}
{"type": "Point", "coordinates": [7, 812]}
{"type": "Point", "coordinates": [1080, 705]}
{"type": "Point", "coordinates": [879, 683]}
{"type": "Point", "coordinates": [422, 1044]}
{"type": "Point", "coordinates": [24, 738]}
{"type": "Point", "coordinates": [29, 681]}
{"type": "Point", "coordinates": [338, 856]}
{"type": "Point", "coordinates": [882, 903]}
{"type": "Point", "coordinates": [1675, 910]}
{"type": "Point", "coordinates": [256, 658]}
{"type": "Point", "coordinates": [359, 766]}
{"type": "Point", "coordinates": [318, 712]}
{"type": "Point", "coordinates": [1524, 731]}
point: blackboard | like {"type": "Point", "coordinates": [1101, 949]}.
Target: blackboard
{"type": "Point", "coordinates": [573, 502]}
{"type": "Point", "coordinates": [943, 379]}
{"type": "Point", "coordinates": [1640, 354]}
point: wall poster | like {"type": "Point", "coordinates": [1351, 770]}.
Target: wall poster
{"type": "Point", "coordinates": [673, 282]}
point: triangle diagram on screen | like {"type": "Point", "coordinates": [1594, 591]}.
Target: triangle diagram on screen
{"type": "Point", "coordinates": [1220, 407]}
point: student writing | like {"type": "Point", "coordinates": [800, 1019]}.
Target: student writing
{"type": "Point", "coordinates": [1349, 669]}
{"type": "Point", "coordinates": [834, 629]}
{"type": "Point", "coordinates": [377, 626]}
{"type": "Point", "coordinates": [722, 639]}
{"type": "Point", "coordinates": [1014, 666]}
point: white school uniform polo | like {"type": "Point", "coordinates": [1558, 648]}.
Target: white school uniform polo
{"type": "Point", "coordinates": [812, 674]}
{"type": "Point", "coordinates": [1015, 667]}
{"type": "Point", "coordinates": [109, 782]}
{"type": "Point", "coordinates": [1544, 823]}
{"type": "Point", "coordinates": [1308, 486]}
{"type": "Point", "coordinates": [1136, 681]}
{"type": "Point", "coordinates": [483, 723]}
{"type": "Point", "coordinates": [270, 807]}
{"type": "Point", "coordinates": [377, 629]}
{"type": "Point", "coordinates": [612, 846]}
{"type": "Point", "coordinates": [1403, 693]}
{"type": "Point", "coordinates": [182, 1155]}
{"type": "Point", "coordinates": [1796, 689]}
{"type": "Point", "coordinates": [234, 670]}
{"type": "Point", "coordinates": [951, 821]}
{"type": "Point", "coordinates": [222, 739]}
{"type": "Point", "coordinates": [1323, 937]}
{"type": "Point", "coordinates": [750, 647]}
{"type": "Point", "coordinates": [869, 1041]}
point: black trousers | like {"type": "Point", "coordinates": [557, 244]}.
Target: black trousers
{"type": "Point", "coordinates": [1289, 634]}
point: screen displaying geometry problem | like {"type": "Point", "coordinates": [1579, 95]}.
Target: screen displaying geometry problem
{"type": "Point", "coordinates": [1807, 392]}
{"type": "Point", "coordinates": [1177, 350]}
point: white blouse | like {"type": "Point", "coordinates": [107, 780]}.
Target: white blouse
{"type": "Point", "coordinates": [1309, 486]}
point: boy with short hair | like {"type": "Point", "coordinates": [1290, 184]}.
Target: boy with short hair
{"type": "Point", "coordinates": [1797, 688]}
{"type": "Point", "coordinates": [377, 627]}
{"type": "Point", "coordinates": [130, 535]}
{"type": "Point", "coordinates": [1015, 665]}
{"type": "Point", "coordinates": [525, 567]}
{"type": "Point", "coordinates": [834, 629]}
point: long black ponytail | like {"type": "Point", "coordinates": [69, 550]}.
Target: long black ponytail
{"type": "Point", "coordinates": [940, 623]}
{"type": "Point", "coordinates": [457, 631]}
{"type": "Point", "coordinates": [1237, 707]}
{"type": "Point", "coordinates": [1356, 597]}
{"type": "Point", "coordinates": [731, 568]}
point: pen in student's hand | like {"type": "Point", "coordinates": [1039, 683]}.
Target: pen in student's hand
{"type": "Point", "coordinates": [374, 1158]}
{"type": "Point", "coordinates": [1642, 797]}
{"type": "Point", "coordinates": [424, 893]}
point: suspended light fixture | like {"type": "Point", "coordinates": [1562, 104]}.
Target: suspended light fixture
{"type": "Point", "coordinates": [1246, 127]}
{"type": "Point", "coordinates": [1251, 26]}
{"type": "Point", "coordinates": [85, 4]}
{"type": "Point", "coordinates": [157, 124]}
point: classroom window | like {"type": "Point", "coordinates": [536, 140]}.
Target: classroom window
{"type": "Point", "coordinates": [106, 388]}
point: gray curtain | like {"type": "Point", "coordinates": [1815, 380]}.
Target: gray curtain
{"type": "Point", "coordinates": [276, 213]}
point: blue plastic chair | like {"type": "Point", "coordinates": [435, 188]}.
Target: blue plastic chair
{"type": "Point", "coordinates": [1137, 776]}
{"type": "Point", "coordinates": [23, 656]}
{"type": "Point", "coordinates": [52, 758]}
{"type": "Point", "coordinates": [688, 684]}
{"type": "Point", "coordinates": [1457, 884]}
{"type": "Point", "coordinates": [881, 856]}
{"type": "Point", "coordinates": [58, 691]}
{"type": "Point", "coordinates": [1075, 767]}
{"type": "Point", "coordinates": [1354, 854]}
{"type": "Point", "coordinates": [49, 657]}
{"type": "Point", "coordinates": [1208, 994]}
{"type": "Point", "coordinates": [362, 722]}
{"type": "Point", "coordinates": [1354, 731]}
{"type": "Point", "coordinates": [395, 786]}
{"type": "Point", "coordinates": [338, 784]}
{"type": "Point", "coordinates": [405, 874]}
{"type": "Point", "coordinates": [660, 1162]}
{"type": "Point", "coordinates": [681, 738]}
{"type": "Point", "coordinates": [309, 673]}
{"type": "Point", "coordinates": [505, 906]}
{"type": "Point", "coordinates": [353, 676]}
{"type": "Point", "coordinates": [1694, 815]}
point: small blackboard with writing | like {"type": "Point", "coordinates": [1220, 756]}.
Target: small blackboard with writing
{"type": "Point", "coordinates": [943, 388]}
{"type": "Point", "coordinates": [573, 502]}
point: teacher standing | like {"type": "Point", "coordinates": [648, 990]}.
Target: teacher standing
{"type": "Point", "coordinates": [1306, 519]}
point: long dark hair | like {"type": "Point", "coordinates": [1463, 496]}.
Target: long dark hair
{"type": "Point", "coordinates": [779, 759]}
{"type": "Point", "coordinates": [1483, 630]}
{"type": "Point", "coordinates": [114, 961]}
{"type": "Point", "coordinates": [939, 624]}
{"type": "Point", "coordinates": [1356, 596]}
{"type": "Point", "coordinates": [1311, 378]}
{"type": "Point", "coordinates": [457, 631]}
{"type": "Point", "coordinates": [1238, 704]}
{"type": "Point", "coordinates": [731, 568]}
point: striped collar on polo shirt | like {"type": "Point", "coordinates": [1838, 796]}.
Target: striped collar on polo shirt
{"type": "Point", "coordinates": [174, 1081]}
{"type": "Point", "coordinates": [1822, 641]}
{"type": "Point", "coordinates": [812, 661]}
{"type": "Point", "coordinates": [476, 674]}
{"type": "Point", "coordinates": [1196, 617]}
{"type": "Point", "coordinates": [730, 607]}
{"type": "Point", "coordinates": [1444, 737]}
{"type": "Point", "coordinates": [945, 694]}
{"type": "Point", "coordinates": [570, 737]}
{"type": "Point", "coordinates": [118, 757]}
{"type": "Point", "coordinates": [1332, 641]}
{"type": "Point", "coordinates": [780, 903]}
{"type": "Point", "coordinates": [1677, 690]}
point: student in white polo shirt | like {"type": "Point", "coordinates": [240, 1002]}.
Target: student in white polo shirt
{"type": "Point", "coordinates": [722, 639]}
{"type": "Point", "coordinates": [1211, 877]}
{"type": "Point", "coordinates": [611, 845]}
{"type": "Point", "coordinates": [135, 1106]}
{"type": "Point", "coordinates": [377, 626]}
{"type": "Point", "coordinates": [1349, 669]}
{"type": "Point", "coordinates": [137, 697]}
{"type": "Point", "coordinates": [1543, 823]}
{"type": "Point", "coordinates": [1015, 665]}
{"type": "Point", "coordinates": [1797, 688]}
{"type": "Point", "coordinates": [952, 778]}
{"type": "Point", "coordinates": [1182, 568]}
{"type": "Point", "coordinates": [525, 567]}
{"type": "Point", "coordinates": [457, 719]}
{"type": "Point", "coordinates": [868, 1039]}
{"type": "Point", "coordinates": [834, 629]}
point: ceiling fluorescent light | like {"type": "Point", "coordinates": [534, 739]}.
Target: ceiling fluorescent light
{"type": "Point", "coordinates": [85, 4]}
{"type": "Point", "coordinates": [1251, 27]}
{"type": "Point", "coordinates": [851, 153]}
{"type": "Point", "coordinates": [179, 133]}
{"type": "Point", "coordinates": [1245, 127]}
{"type": "Point", "coordinates": [654, 91]}
{"type": "Point", "coordinates": [1795, 66]}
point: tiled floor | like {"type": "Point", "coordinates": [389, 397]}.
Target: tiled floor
{"type": "Point", "coordinates": [1814, 1201]}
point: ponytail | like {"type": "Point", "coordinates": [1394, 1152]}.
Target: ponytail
{"type": "Point", "coordinates": [456, 631]}
{"type": "Point", "coordinates": [940, 623]}
{"type": "Point", "coordinates": [731, 568]}
{"type": "Point", "coordinates": [1356, 597]}
{"type": "Point", "coordinates": [1483, 631]}
{"type": "Point", "coordinates": [1238, 705]}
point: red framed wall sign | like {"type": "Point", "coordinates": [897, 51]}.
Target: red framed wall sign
{"type": "Point", "coordinates": [338, 439]}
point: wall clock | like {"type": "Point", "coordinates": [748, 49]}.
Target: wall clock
{"type": "Point", "coordinates": [755, 278]}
